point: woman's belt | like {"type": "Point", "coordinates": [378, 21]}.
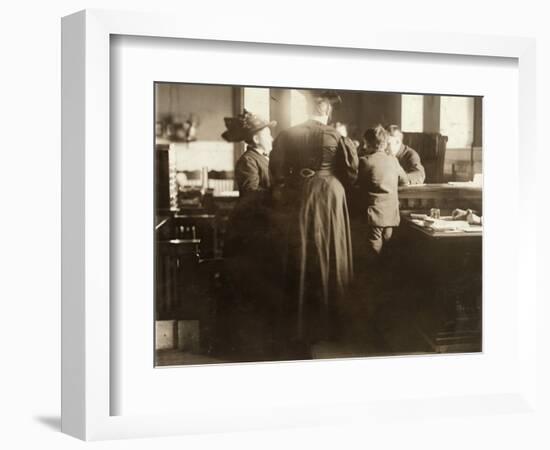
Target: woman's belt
{"type": "Point", "coordinates": [308, 173]}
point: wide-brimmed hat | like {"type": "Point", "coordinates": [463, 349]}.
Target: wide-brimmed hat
{"type": "Point", "coordinates": [243, 127]}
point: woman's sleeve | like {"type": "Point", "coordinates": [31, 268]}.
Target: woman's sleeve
{"type": "Point", "coordinates": [277, 161]}
{"type": "Point", "coordinates": [347, 161]}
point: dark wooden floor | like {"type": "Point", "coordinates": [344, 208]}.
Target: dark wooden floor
{"type": "Point", "coordinates": [395, 307]}
{"type": "Point", "coordinates": [380, 328]}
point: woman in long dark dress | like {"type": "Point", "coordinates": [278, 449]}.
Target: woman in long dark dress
{"type": "Point", "coordinates": [310, 166]}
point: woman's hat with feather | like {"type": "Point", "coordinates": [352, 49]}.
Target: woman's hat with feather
{"type": "Point", "coordinates": [243, 127]}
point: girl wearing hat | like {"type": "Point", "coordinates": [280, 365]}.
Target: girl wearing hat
{"type": "Point", "coordinates": [247, 239]}
{"type": "Point", "coordinates": [252, 168]}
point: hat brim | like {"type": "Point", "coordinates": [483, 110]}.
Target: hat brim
{"type": "Point", "coordinates": [270, 125]}
{"type": "Point", "coordinates": [239, 135]}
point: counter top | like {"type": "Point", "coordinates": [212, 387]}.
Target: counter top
{"type": "Point", "coordinates": [440, 187]}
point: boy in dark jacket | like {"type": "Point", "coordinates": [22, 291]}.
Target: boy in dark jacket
{"type": "Point", "coordinates": [379, 177]}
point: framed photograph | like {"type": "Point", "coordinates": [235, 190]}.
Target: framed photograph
{"type": "Point", "coordinates": [262, 231]}
{"type": "Point", "coordinates": [240, 173]}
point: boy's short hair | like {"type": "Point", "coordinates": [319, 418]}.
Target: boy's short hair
{"type": "Point", "coordinates": [376, 137]}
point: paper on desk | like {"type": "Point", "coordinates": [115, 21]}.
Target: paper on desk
{"type": "Point", "coordinates": [449, 225]}
{"type": "Point", "coordinates": [418, 216]}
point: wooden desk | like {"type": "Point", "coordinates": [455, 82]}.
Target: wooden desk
{"type": "Point", "coordinates": [446, 270]}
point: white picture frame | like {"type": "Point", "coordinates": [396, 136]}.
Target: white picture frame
{"type": "Point", "coordinates": [86, 284]}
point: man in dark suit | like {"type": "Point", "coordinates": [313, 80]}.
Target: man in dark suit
{"type": "Point", "coordinates": [379, 177]}
{"type": "Point", "coordinates": [407, 157]}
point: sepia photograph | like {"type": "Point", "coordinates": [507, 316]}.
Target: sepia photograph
{"type": "Point", "coordinates": [295, 224]}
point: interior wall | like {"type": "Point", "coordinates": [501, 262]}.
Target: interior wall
{"type": "Point", "coordinates": [383, 108]}
{"type": "Point", "coordinates": [361, 110]}
{"type": "Point", "coordinates": [349, 112]}
{"type": "Point", "coordinates": [432, 114]}
{"type": "Point", "coordinates": [210, 104]}
{"type": "Point", "coordinates": [279, 108]}
{"type": "Point", "coordinates": [460, 163]}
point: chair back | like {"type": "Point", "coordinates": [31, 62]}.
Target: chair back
{"type": "Point", "coordinates": [431, 148]}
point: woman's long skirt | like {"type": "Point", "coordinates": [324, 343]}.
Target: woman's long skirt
{"type": "Point", "coordinates": [319, 266]}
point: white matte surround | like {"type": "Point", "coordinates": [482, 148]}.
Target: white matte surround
{"type": "Point", "coordinates": [110, 388]}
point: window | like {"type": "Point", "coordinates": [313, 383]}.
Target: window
{"type": "Point", "coordinates": [412, 113]}
{"type": "Point", "coordinates": [457, 121]}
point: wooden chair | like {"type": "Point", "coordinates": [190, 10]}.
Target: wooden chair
{"type": "Point", "coordinates": [431, 148]}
